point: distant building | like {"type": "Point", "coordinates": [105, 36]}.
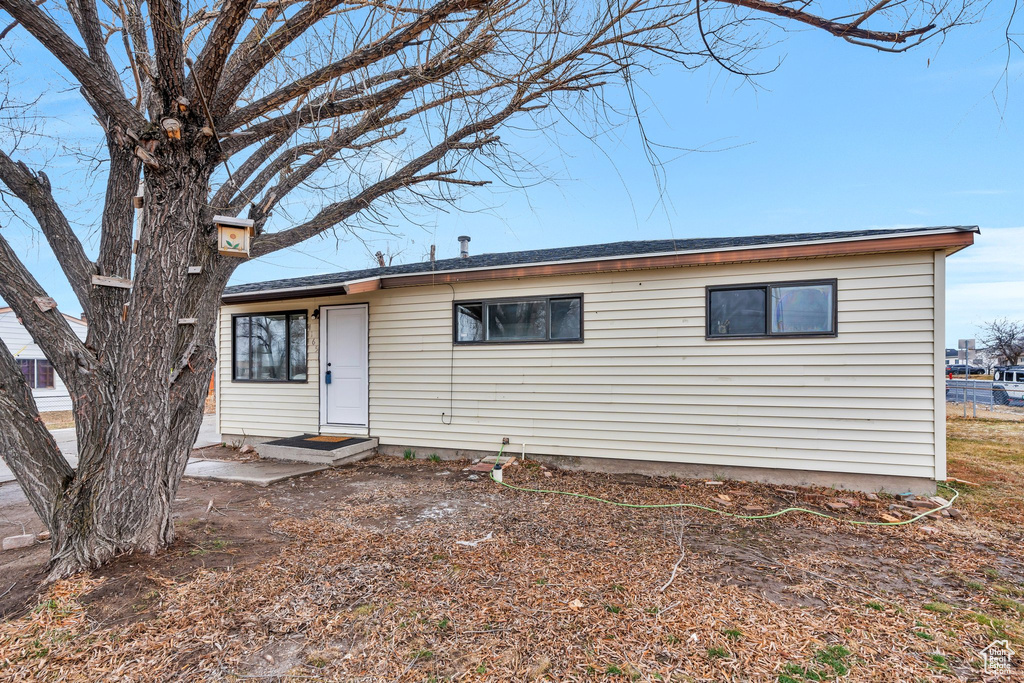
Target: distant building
{"type": "Point", "coordinates": [47, 388]}
{"type": "Point", "coordinates": [987, 358]}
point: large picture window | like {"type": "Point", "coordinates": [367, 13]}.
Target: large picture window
{"type": "Point", "coordinates": [543, 319]}
{"type": "Point", "coordinates": [37, 372]}
{"type": "Point", "coordinates": [795, 309]}
{"type": "Point", "coordinates": [269, 347]}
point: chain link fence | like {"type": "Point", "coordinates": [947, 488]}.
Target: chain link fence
{"type": "Point", "coordinates": [972, 393]}
{"type": "Point", "coordinates": [50, 404]}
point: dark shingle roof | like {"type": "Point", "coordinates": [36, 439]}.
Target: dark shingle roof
{"type": "Point", "coordinates": [582, 253]}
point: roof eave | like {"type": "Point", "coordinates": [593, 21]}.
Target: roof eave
{"type": "Point", "coordinates": [950, 239]}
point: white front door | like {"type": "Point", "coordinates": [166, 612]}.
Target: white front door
{"type": "Point", "coordinates": [344, 385]}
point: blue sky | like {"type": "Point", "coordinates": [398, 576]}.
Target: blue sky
{"type": "Point", "coordinates": [839, 137]}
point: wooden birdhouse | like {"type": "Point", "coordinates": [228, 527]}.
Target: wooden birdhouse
{"type": "Point", "coordinates": [233, 235]}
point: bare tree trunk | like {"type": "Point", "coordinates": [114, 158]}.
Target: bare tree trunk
{"type": "Point", "coordinates": [134, 441]}
{"type": "Point", "coordinates": [120, 502]}
{"type": "Point", "coordinates": [139, 419]}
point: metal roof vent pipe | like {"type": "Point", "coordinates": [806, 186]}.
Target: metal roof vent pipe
{"type": "Point", "coordinates": [464, 246]}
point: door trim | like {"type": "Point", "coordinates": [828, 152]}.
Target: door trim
{"type": "Point", "coordinates": [325, 426]}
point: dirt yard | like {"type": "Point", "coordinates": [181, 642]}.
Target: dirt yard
{"type": "Point", "coordinates": [399, 570]}
{"type": "Point", "coordinates": [58, 419]}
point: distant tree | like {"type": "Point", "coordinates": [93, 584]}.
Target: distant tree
{"type": "Point", "coordinates": [343, 109]}
{"type": "Point", "coordinates": [1005, 339]}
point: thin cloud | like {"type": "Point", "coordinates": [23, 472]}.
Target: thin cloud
{"type": "Point", "coordinates": [983, 282]}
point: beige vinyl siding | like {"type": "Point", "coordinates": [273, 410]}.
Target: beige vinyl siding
{"type": "Point", "coordinates": [645, 383]}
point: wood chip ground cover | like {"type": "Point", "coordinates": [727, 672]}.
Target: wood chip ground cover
{"type": "Point", "coordinates": [366, 581]}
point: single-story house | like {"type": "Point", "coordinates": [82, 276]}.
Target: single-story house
{"type": "Point", "coordinates": [48, 390]}
{"type": "Point", "coordinates": [802, 358]}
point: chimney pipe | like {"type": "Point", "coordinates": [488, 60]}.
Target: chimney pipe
{"type": "Point", "coordinates": [464, 246]}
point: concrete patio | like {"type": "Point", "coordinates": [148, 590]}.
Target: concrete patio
{"type": "Point", "coordinates": [68, 444]}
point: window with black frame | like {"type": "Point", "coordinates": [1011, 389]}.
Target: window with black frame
{"type": "Point", "coordinates": [269, 347]}
{"type": "Point", "coordinates": [785, 309]}
{"type": "Point", "coordinates": [534, 319]}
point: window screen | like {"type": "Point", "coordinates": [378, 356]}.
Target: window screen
{"type": "Point", "coordinates": [469, 322]}
{"type": "Point", "coordinates": [44, 374]}
{"type": "Point", "coordinates": [566, 322]}
{"type": "Point", "coordinates": [270, 347]}
{"type": "Point", "coordinates": [38, 372]}
{"type": "Point", "coordinates": [802, 309]}
{"type": "Point", "coordinates": [543, 319]}
{"type": "Point", "coordinates": [772, 310]}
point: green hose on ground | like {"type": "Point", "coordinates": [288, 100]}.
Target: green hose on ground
{"type": "Point", "coordinates": [637, 506]}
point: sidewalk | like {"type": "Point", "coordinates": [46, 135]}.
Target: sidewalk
{"type": "Point", "coordinates": [68, 444]}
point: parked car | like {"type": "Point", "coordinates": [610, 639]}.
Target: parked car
{"type": "Point", "coordinates": [1008, 385]}
{"type": "Point", "coordinates": [962, 369]}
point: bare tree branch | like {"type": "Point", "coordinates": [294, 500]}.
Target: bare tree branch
{"type": "Point", "coordinates": [245, 49]}
{"type": "Point", "coordinates": [851, 30]}
{"type": "Point", "coordinates": [711, 51]}
{"type": "Point", "coordinates": [165, 18]}
{"type": "Point", "coordinates": [49, 329]}
{"type": "Point", "coordinates": [141, 62]}
{"type": "Point", "coordinates": [1006, 338]}
{"type": "Point", "coordinates": [210, 64]}
{"type": "Point", "coordinates": [252, 164]}
{"type": "Point", "coordinates": [429, 73]}
{"type": "Point", "coordinates": [235, 81]}
{"type": "Point", "coordinates": [336, 213]}
{"type": "Point", "coordinates": [359, 59]}
{"type": "Point", "coordinates": [322, 151]}
{"type": "Point", "coordinates": [13, 24]}
{"type": "Point", "coordinates": [93, 79]}
{"type": "Point", "coordinates": [34, 190]}
{"type": "Point", "coordinates": [27, 445]}
{"type": "Point", "coordinates": [88, 22]}
{"type": "Point", "coordinates": [118, 218]}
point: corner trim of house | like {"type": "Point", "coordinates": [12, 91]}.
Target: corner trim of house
{"type": "Point", "coordinates": [938, 369]}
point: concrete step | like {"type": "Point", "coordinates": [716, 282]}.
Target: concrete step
{"type": "Point", "coordinates": [257, 473]}
{"type": "Point", "coordinates": [334, 457]}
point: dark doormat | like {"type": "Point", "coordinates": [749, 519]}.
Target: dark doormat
{"type": "Point", "coordinates": [318, 442]}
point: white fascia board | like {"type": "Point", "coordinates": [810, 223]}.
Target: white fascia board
{"type": "Point", "coordinates": [308, 288]}
{"type": "Point", "coordinates": [349, 283]}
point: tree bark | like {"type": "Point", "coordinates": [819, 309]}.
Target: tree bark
{"type": "Point", "coordinates": [139, 408]}
{"type": "Point", "coordinates": [26, 444]}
